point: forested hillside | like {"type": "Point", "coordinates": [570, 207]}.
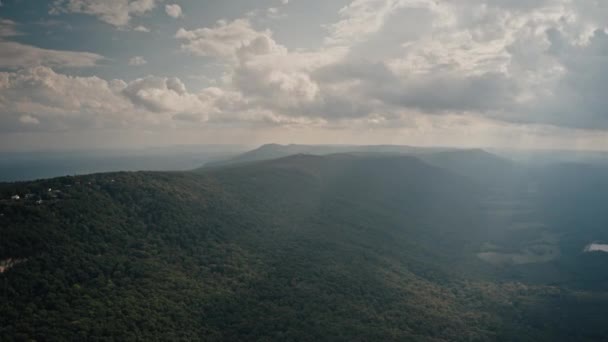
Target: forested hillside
{"type": "Point", "coordinates": [304, 248]}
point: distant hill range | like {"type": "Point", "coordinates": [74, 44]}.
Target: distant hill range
{"type": "Point", "coordinates": [474, 163]}
{"type": "Point", "coordinates": [273, 151]}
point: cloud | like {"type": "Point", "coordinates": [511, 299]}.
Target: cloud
{"type": "Point", "coordinates": [576, 98]}
{"type": "Point", "coordinates": [141, 28]}
{"type": "Point", "coordinates": [265, 74]}
{"type": "Point", "coordinates": [382, 63]}
{"type": "Point", "coordinates": [15, 55]}
{"type": "Point", "coordinates": [137, 61]}
{"type": "Point", "coordinates": [114, 12]}
{"type": "Point", "coordinates": [534, 62]}
{"type": "Point", "coordinates": [28, 120]}
{"type": "Point", "coordinates": [58, 101]}
{"type": "Point", "coordinates": [273, 12]}
{"type": "Point", "coordinates": [8, 28]}
{"type": "Point", "coordinates": [361, 18]}
{"type": "Point", "coordinates": [42, 99]}
{"type": "Point", "coordinates": [173, 10]}
{"type": "Point", "coordinates": [266, 70]}
{"type": "Point", "coordinates": [221, 41]}
{"type": "Point", "coordinates": [158, 94]}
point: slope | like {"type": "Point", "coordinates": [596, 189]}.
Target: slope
{"type": "Point", "coordinates": [307, 248]}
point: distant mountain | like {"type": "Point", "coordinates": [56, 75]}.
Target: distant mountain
{"type": "Point", "coordinates": [355, 246]}
{"type": "Point", "coordinates": [273, 151]}
{"type": "Point", "coordinates": [476, 164]}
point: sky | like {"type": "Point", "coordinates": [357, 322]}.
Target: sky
{"type": "Point", "coordinates": [131, 73]}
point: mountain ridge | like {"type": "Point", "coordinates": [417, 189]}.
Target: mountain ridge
{"type": "Point", "coordinates": [273, 151]}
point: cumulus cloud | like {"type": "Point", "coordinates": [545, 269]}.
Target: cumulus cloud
{"type": "Point", "coordinates": [173, 10]}
{"type": "Point", "coordinates": [114, 12]}
{"type": "Point", "coordinates": [137, 61]}
{"type": "Point", "coordinates": [382, 63]}
{"type": "Point", "coordinates": [42, 98]}
{"type": "Point", "coordinates": [220, 41]}
{"type": "Point", "coordinates": [276, 82]}
{"type": "Point", "coordinates": [57, 100]}
{"type": "Point", "coordinates": [268, 73]}
{"type": "Point", "coordinates": [535, 62]}
{"type": "Point", "coordinates": [164, 95]}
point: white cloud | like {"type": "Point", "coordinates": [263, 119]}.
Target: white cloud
{"type": "Point", "coordinates": [158, 94]}
{"type": "Point", "coordinates": [173, 10]}
{"type": "Point", "coordinates": [383, 63]}
{"type": "Point", "coordinates": [137, 61]}
{"type": "Point", "coordinates": [268, 73]}
{"type": "Point", "coordinates": [596, 247]}
{"type": "Point", "coordinates": [496, 58]}
{"type": "Point", "coordinates": [114, 12]}
{"type": "Point", "coordinates": [42, 98]}
{"type": "Point", "coordinates": [15, 55]}
{"type": "Point", "coordinates": [141, 28]}
{"type": "Point", "coordinates": [57, 101]}
{"type": "Point", "coordinates": [28, 120]}
{"type": "Point", "coordinates": [220, 41]}
{"type": "Point", "coordinates": [265, 73]}
{"type": "Point", "coordinates": [359, 19]}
